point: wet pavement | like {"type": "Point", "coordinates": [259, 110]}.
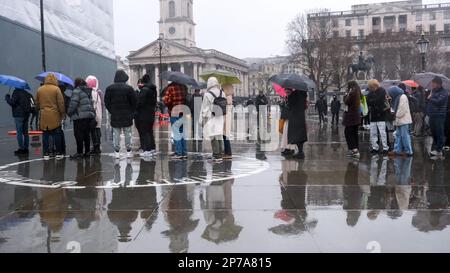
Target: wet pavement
{"type": "Point", "coordinates": [259, 202]}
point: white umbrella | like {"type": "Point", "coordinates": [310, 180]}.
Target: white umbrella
{"type": "Point", "coordinates": [425, 79]}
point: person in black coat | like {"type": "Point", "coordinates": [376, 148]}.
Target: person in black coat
{"type": "Point", "coordinates": [335, 110]}
{"type": "Point", "coordinates": [121, 102]}
{"type": "Point", "coordinates": [322, 108]}
{"type": "Point", "coordinates": [20, 102]}
{"type": "Point", "coordinates": [145, 115]}
{"type": "Point", "coordinates": [297, 132]}
{"type": "Point", "coordinates": [376, 101]}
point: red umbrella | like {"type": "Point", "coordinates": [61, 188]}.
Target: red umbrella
{"type": "Point", "coordinates": [280, 90]}
{"type": "Point", "coordinates": [411, 83]}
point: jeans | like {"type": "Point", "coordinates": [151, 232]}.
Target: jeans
{"type": "Point", "coordinates": [335, 118]}
{"type": "Point", "coordinates": [56, 138]}
{"type": "Point", "coordinates": [96, 137]}
{"type": "Point", "coordinates": [376, 127]}
{"type": "Point", "coordinates": [116, 138]}
{"type": "Point", "coordinates": [178, 133]}
{"type": "Point", "coordinates": [351, 136]}
{"type": "Point", "coordinates": [403, 140]}
{"type": "Point", "coordinates": [23, 139]}
{"type": "Point", "coordinates": [146, 135]}
{"type": "Point", "coordinates": [217, 146]}
{"type": "Point", "coordinates": [437, 127]}
{"type": "Point", "coordinates": [227, 146]}
{"type": "Point", "coordinates": [82, 130]}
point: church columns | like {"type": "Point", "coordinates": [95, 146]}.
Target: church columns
{"type": "Point", "coordinates": [169, 67]}
{"type": "Point", "coordinates": [157, 81]}
{"type": "Point", "coordinates": [134, 75]}
{"type": "Point", "coordinates": [195, 71]}
{"type": "Point", "coordinates": [182, 67]}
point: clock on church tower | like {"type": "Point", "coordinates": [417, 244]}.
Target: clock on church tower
{"type": "Point", "coordinates": [177, 21]}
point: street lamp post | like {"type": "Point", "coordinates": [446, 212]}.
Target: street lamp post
{"type": "Point", "coordinates": [160, 42]}
{"type": "Point", "coordinates": [423, 44]}
{"type": "Point", "coordinates": [44, 66]}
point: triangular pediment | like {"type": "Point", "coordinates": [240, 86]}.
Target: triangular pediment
{"type": "Point", "coordinates": [169, 49]}
{"type": "Point", "coordinates": [389, 9]}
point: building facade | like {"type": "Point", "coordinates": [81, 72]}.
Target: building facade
{"type": "Point", "coordinates": [176, 50]}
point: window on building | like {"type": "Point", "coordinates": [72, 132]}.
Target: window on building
{"type": "Point", "coordinates": [418, 16]}
{"type": "Point", "coordinates": [376, 21]}
{"type": "Point", "coordinates": [447, 28]}
{"type": "Point", "coordinates": [419, 28]}
{"type": "Point", "coordinates": [348, 22]}
{"type": "Point", "coordinates": [360, 21]}
{"type": "Point", "coordinates": [172, 9]}
{"type": "Point", "coordinates": [335, 23]}
{"type": "Point", "coordinates": [432, 16]}
{"type": "Point", "coordinates": [403, 19]}
{"type": "Point", "coordinates": [389, 21]}
{"type": "Point", "coordinates": [348, 33]}
{"type": "Point", "coordinates": [447, 41]}
{"type": "Point", "coordinates": [335, 34]}
{"type": "Point", "coordinates": [432, 29]}
{"type": "Point", "coordinates": [361, 33]}
{"type": "Point", "coordinates": [447, 14]}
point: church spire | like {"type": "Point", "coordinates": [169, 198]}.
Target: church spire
{"type": "Point", "coordinates": [177, 21]}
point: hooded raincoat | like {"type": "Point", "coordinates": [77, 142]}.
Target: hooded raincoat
{"type": "Point", "coordinates": [50, 102]}
{"type": "Point", "coordinates": [213, 124]}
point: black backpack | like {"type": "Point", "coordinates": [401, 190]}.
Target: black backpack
{"type": "Point", "coordinates": [28, 104]}
{"type": "Point", "coordinates": [221, 102]}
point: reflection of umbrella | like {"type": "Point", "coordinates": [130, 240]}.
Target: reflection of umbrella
{"type": "Point", "coordinates": [389, 83]}
{"type": "Point", "coordinates": [178, 77]}
{"type": "Point", "coordinates": [280, 90]}
{"type": "Point", "coordinates": [200, 85]}
{"type": "Point", "coordinates": [223, 76]}
{"type": "Point", "coordinates": [14, 82]}
{"type": "Point", "coordinates": [62, 79]}
{"type": "Point", "coordinates": [425, 79]}
{"type": "Point", "coordinates": [291, 81]}
{"type": "Point", "coordinates": [411, 84]}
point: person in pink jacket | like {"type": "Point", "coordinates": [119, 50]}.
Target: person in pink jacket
{"type": "Point", "coordinates": [97, 101]}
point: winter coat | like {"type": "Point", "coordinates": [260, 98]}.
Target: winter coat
{"type": "Point", "coordinates": [352, 116]}
{"type": "Point", "coordinates": [376, 100]}
{"type": "Point", "coordinates": [335, 106]}
{"type": "Point", "coordinates": [81, 106]}
{"type": "Point", "coordinates": [20, 102]}
{"type": "Point", "coordinates": [403, 115]}
{"type": "Point", "coordinates": [419, 95]}
{"type": "Point", "coordinates": [97, 99]}
{"type": "Point", "coordinates": [50, 102]}
{"type": "Point", "coordinates": [213, 125]}
{"type": "Point", "coordinates": [297, 132]}
{"type": "Point", "coordinates": [437, 104]}
{"type": "Point", "coordinates": [121, 101]}
{"type": "Point", "coordinates": [321, 106]}
{"type": "Point", "coordinates": [147, 99]}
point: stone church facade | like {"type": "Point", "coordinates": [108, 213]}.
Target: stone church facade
{"type": "Point", "coordinates": [179, 51]}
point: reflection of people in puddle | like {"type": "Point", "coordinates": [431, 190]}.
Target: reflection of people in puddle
{"type": "Point", "coordinates": [25, 198]}
{"type": "Point", "coordinates": [378, 171]}
{"type": "Point", "coordinates": [355, 195]}
{"type": "Point", "coordinates": [87, 203]}
{"type": "Point", "coordinates": [436, 217]}
{"type": "Point", "coordinates": [217, 206]}
{"type": "Point", "coordinates": [293, 183]}
{"type": "Point", "coordinates": [177, 207]}
{"type": "Point", "coordinates": [127, 201]}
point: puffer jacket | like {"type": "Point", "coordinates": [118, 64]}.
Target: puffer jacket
{"type": "Point", "coordinates": [403, 116]}
{"type": "Point", "coordinates": [376, 102]}
{"type": "Point", "coordinates": [50, 102]}
{"type": "Point", "coordinates": [81, 106]}
{"type": "Point", "coordinates": [121, 101]}
{"type": "Point", "coordinates": [437, 104]}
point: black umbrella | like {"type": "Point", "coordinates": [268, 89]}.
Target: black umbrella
{"type": "Point", "coordinates": [178, 77]}
{"type": "Point", "coordinates": [200, 86]}
{"type": "Point", "coordinates": [290, 81]}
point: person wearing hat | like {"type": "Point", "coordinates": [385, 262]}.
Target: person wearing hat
{"type": "Point", "coordinates": [437, 112]}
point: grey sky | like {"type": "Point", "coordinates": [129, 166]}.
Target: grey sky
{"type": "Point", "coordinates": [243, 28]}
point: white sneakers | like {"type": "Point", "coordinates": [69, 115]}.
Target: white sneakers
{"type": "Point", "coordinates": [130, 154]}
{"type": "Point", "coordinates": [117, 155]}
{"type": "Point", "coordinates": [148, 154]}
{"type": "Point", "coordinates": [436, 153]}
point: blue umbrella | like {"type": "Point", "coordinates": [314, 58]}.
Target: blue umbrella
{"type": "Point", "coordinates": [14, 82]}
{"type": "Point", "coordinates": [62, 79]}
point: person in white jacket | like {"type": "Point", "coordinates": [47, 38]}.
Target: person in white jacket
{"type": "Point", "coordinates": [403, 121]}
{"type": "Point", "coordinates": [213, 123]}
{"type": "Point", "coordinates": [97, 101]}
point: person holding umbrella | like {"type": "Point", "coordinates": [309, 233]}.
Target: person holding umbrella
{"type": "Point", "coordinates": [297, 132]}
{"type": "Point", "coordinates": [21, 103]}
{"type": "Point", "coordinates": [50, 102]}
{"type": "Point", "coordinates": [437, 112]}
